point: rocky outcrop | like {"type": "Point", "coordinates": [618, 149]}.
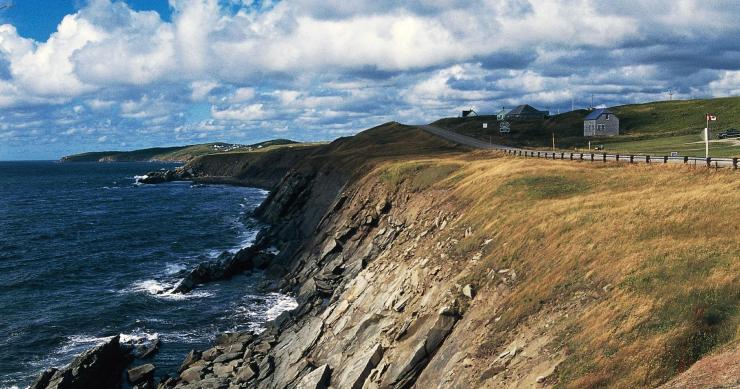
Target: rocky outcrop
{"type": "Point", "coordinates": [100, 367]}
{"type": "Point", "coordinates": [360, 322]}
{"type": "Point", "coordinates": [142, 376]}
{"type": "Point", "coordinates": [225, 266]}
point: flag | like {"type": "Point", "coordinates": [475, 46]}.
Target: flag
{"type": "Point", "coordinates": [711, 117]}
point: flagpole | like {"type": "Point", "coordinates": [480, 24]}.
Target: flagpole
{"type": "Point", "coordinates": [706, 139]}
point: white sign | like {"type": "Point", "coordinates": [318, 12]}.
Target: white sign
{"type": "Point", "coordinates": [504, 127]}
{"type": "Point", "coordinates": [674, 153]}
{"type": "Point", "coordinates": [485, 125]}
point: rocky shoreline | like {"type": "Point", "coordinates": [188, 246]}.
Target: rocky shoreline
{"type": "Point", "coordinates": [327, 230]}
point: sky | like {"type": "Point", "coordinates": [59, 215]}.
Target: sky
{"type": "Point", "coordinates": [91, 75]}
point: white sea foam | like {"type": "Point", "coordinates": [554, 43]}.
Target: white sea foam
{"type": "Point", "coordinates": [150, 286]}
{"type": "Point", "coordinates": [283, 303]}
{"type": "Point", "coordinates": [161, 290]}
{"type": "Point", "coordinates": [259, 309]}
{"type": "Point", "coordinates": [174, 268]}
{"type": "Point", "coordinates": [137, 179]}
{"type": "Point", "coordinates": [77, 344]}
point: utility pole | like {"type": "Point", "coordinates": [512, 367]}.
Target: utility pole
{"type": "Point", "coordinates": [592, 101]}
{"type": "Point", "coordinates": [553, 140]}
{"type": "Point", "coordinates": [670, 94]}
{"type": "Point", "coordinates": [572, 104]}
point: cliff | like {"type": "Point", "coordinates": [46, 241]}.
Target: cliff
{"type": "Point", "coordinates": [417, 263]}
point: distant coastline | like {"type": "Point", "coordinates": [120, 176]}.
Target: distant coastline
{"type": "Point", "coordinates": [171, 154]}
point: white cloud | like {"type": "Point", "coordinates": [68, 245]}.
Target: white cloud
{"type": "Point", "coordinates": [250, 112]}
{"type": "Point", "coordinates": [240, 95]}
{"type": "Point", "coordinates": [201, 89]}
{"type": "Point", "coordinates": [99, 105]}
{"type": "Point", "coordinates": [727, 85]}
{"type": "Point", "coordinates": [321, 68]}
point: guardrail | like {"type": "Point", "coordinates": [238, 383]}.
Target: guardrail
{"type": "Point", "coordinates": [627, 158]}
{"type": "Point", "coordinates": [581, 156]}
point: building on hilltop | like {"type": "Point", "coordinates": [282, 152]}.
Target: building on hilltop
{"type": "Point", "coordinates": [601, 122]}
{"type": "Point", "coordinates": [469, 112]}
{"type": "Point", "coordinates": [526, 112]}
{"type": "Point", "coordinates": [501, 115]}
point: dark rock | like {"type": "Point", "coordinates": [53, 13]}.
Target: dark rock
{"type": "Point", "coordinates": [141, 373]}
{"type": "Point", "coordinates": [247, 372]}
{"type": "Point", "coordinates": [406, 373]}
{"type": "Point", "coordinates": [223, 267]}
{"type": "Point", "coordinates": [146, 350]}
{"type": "Point", "coordinates": [262, 348]}
{"type": "Point", "coordinates": [99, 367]}
{"type": "Point", "coordinates": [229, 338]}
{"type": "Point", "coordinates": [223, 358]}
{"type": "Point", "coordinates": [319, 378]}
{"type": "Point", "coordinates": [356, 374]}
{"type": "Point", "coordinates": [43, 379]}
{"type": "Point", "coordinates": [211, 354]}
{"type": "Point", "coordinates": [266, 367]}
{"type": "Point", "coordinates": [167, 382]}
{"type": "Point", "coordinates": [225, 369]}
{"type": "Point", "coordinates": [193, 373]}
{"type": "Point", "coordinates": [192, 356]}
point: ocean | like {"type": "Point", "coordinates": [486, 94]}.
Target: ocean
{"type": "Point", "coordinates": [85, 252]}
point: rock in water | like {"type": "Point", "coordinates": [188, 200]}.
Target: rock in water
{"type": "Point", "coordinates": [43, 379]}
{"type": "Point", "coordinates": [141, 374]}
{"type": "Point", "coordinates": [191, 358]}
{"type": "Point", "coordinates": [225, 266]}
{"type": "Point", "coordinates": [99, 367]}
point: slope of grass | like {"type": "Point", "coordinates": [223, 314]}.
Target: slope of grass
{"type": "Point", "coordinates": [650, 254]}
{"type": "Point", "coordinates": [659, 127]}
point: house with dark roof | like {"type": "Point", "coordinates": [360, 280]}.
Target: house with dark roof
{"type": "Point", "coordinates": [526, 112]}
{"type": "Point", "coordinates": [601, 122]}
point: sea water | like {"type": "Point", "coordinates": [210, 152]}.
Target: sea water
{"type": "Point", "coordinates": [86, 253]}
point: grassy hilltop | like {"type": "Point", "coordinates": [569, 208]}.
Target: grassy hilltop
{"type": "Point", "coordinates": [174, 154]}
{"type": "Point", "coordinates": [657, 128]}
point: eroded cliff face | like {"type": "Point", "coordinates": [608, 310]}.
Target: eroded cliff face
{"type": "Point", "coordinates": [380, 302]}
{"type": "Point", "coordinates": [475, 270]}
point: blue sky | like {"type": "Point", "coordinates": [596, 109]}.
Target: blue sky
{"type": "Point", "coordinates": [86, 75]}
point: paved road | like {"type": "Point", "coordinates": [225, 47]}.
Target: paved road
{"type": "Point", "coordinates": [584, 156]}
{"type": "Point", "coordinates": [460, 138]}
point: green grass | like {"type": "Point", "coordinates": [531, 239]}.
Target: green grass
{"type": "Point", "coordinates": [538, 187]}
{"type": "Point", "coordinates": [655, 128]}
{"type": "Point", "coordinates": [420, 175]}
{"type": "Point", "coordinates": [684, 145]}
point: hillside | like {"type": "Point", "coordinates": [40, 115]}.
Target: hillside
{"type": "Point", "coordinates": [657, 128]}
{"type": "Point", "coordinates": [420, 263]}
{"type": "Point", "coordinates": [174, 154]}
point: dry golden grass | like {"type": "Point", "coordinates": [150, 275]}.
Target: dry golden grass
{"type": "Point", "coordinates": [663, 241]}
